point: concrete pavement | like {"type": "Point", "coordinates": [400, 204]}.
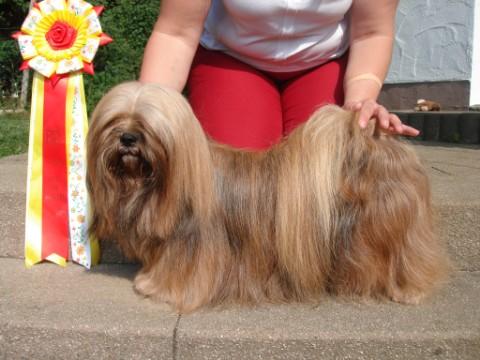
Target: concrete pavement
{"type": "Point", "coordinates": [50, 312]}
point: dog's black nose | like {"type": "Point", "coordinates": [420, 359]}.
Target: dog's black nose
{"type": "Point", "coordinates": [129, 139]}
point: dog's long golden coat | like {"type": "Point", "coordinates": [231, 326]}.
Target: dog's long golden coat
{"type": "Point", "coordinates": [331, 208]}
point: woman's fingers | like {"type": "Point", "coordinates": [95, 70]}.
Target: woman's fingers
{"type": "Point", "coordinates": [388, 122]}
{"type": "Point", "coordinates": [367, 111]}
{"type": "Point", "coordinates": [409, 131]}
{"type": "Point", "coordinates": [396, 123]}
{"type": "Point", "coordinates": [383, 117]}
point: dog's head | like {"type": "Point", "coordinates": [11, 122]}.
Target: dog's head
{"type": "Point", "coordinates": [145, 148]}
{"type": "Point", "coordinates": [123, 147]}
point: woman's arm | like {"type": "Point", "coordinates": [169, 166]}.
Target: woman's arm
{"type": "Point", "coordinates": [173, 42]}
{"type": "Point", "coordinates": [371, 43]}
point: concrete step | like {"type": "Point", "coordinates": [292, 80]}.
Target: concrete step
{"type": "Point", "coordinates": [449, 126]}
{"type": "Point", "coordinates": [49, 312]}
{"type": "Point", "coordinates": [454, 172]}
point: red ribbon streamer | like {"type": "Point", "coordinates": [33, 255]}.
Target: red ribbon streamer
{"type": "Point", "coordinates": [55, 230]}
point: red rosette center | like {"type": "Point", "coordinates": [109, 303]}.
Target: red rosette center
{"type": "Point", "coordinates": [61, 36]}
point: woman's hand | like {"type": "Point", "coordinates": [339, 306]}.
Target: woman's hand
{"type": "Point", "coordinates": [388, 122]}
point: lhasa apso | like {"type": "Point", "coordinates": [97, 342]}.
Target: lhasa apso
{"type": "Point", "coordinates": [331, 209]}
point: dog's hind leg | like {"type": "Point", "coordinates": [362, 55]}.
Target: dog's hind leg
{"type": "Point", "coordinates": [385, 240]}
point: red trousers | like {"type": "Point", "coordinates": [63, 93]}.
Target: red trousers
{"type": "Point", "coordinates": [247, 108]}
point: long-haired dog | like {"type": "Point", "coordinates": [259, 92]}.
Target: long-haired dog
{"type": "Point", "coordinates": [331, 209]}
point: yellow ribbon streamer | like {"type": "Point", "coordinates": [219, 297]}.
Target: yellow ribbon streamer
{"type": "Point", "coordinates": [33, 221]}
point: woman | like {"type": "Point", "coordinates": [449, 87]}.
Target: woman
{"type": "Point", "coordinates": [263, 67]}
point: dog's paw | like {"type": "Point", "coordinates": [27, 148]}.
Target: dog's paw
{"type": "Point", "coordinates": [407, 297]}
{"type": "Point", "coordinates": [143, 284]}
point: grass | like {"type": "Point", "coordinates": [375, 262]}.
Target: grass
{"type": "Point", "coordinates": [13, 133]}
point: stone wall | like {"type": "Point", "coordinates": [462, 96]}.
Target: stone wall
{"type": "Point", "coordinates": [434, 41]}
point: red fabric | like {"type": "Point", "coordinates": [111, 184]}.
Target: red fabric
{"type": "Point", "coordinates": [55, 231]}
{"type": "Point", "coordinates": [61, 35]}
{"type": "Point", "coordinates": [247, 108]}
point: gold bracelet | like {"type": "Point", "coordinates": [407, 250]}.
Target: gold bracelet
{"type": "Point", "coordinates": [366, 76]}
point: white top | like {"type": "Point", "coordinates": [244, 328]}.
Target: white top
{"type": "Point", "coordinates": [278, 35]}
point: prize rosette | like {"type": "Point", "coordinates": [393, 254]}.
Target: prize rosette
{"type": "Point", "coordinates": [58, 40]}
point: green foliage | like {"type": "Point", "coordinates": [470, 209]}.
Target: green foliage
{"type": "Point", "coordinates": [12, 13]}
{"type": "Point", "coordinates": [129, 23]}
{"type": "Point", "coordinates": [10, 77]}
{"type": "Point", "coordinates": [13, 134]}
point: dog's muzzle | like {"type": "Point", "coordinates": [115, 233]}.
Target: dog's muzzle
{"type": "Point", "coordinates": [130, 161]}
{"type": "Point", "coordinates": [129, 143]}
{"type": "Point", "coordinates": [129, 139]}
{"type": "Point", "coordinates": [130, 157]}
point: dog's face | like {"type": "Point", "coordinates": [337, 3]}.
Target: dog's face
{"type": "Point", "coordinates": [126, 163]}
{"type": "Point", "coordinates": [145, 151]}
{"type": "Point", "coordinates": [127, 149]}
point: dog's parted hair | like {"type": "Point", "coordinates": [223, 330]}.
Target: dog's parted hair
{"type": "Point", "coordinates": [332, 208]}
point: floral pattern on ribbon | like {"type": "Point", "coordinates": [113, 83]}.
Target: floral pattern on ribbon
{"type": "Point", "coordinates": [27, 49]}
{"type": "Point", "coordinates": [78, 196]}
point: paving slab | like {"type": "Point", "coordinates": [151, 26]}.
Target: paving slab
{"type": "Point", "coordinates": [13, 174]}
{"type": "Point", "coordinates": [51, 312]}
{"type": "Point", "coordinates": [454, 171]}
{"type": "Point", "coordinates": [447, 326]}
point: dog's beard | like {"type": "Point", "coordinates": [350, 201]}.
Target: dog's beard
{"type": "Point", "coordinates": [129, 164]}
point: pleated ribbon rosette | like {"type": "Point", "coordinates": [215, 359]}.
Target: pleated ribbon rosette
{"type": "Point", "coordinates": [59, 39]}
